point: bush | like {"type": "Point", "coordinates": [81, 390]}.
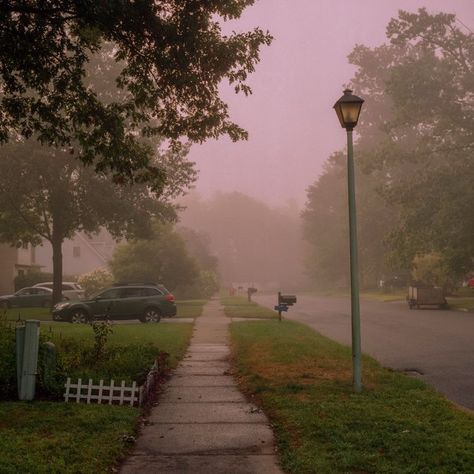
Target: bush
{"type": "Point", "coordinates": [432, 269]}
{"type": "Point", "coordinates": [206, 285]}
{"type": "Point", "coordinates": [8, 385]}
{"type": "Point", "coordinates": [95, 281]}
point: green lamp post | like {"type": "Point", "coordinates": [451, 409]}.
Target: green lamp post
{"type": "Point", "coordinates": [348, 110]}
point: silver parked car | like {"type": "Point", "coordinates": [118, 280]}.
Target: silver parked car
{"type": "Point", "coordinates": [70, 290]}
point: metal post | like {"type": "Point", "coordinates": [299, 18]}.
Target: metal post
{"type": "Point", "coordinates": [30, 360]}
{"type": "Point", "coordinates": [279, 303]}
{"type": "Point", "coordinates": [355, 311]}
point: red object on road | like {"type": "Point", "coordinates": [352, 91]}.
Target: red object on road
{"type": "Point", "coordinates": [470, 283]}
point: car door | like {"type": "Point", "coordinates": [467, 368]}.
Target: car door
{"type": "Point", "coordinates": [22, 298]}
{"type": "Point", "coordinates": [43, 297]}
{"type": "Point", "coordinates": [131, 304]}
{"type": "Point", "coordinates": [107, 304]}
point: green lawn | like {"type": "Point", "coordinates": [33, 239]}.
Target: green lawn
{"type": "Point", "coordinates": [378, 295]}
{"type": "Point", "coordinates": [48, 437]}
{"type": "Point", "coordinates": [43, 314]}
{"type": "Point", "coordinates": [371, 295]}
{"type": "Point", "coordinates": [55, 437]}
{"type": "Point", "coordinates": [171, 338]}
{"type": "Point", "coordinates": [240, 307]}
{"type": "Point", "coordinates": [461, 303]}
{"type": "Point", "coordinates": [303, 382]}
{"type": "Point", "coordinates": [190, 308]}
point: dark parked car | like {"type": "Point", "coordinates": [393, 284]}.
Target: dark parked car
{"type": "Point", "coordinates": [145, 302]}
{"type": "Point", "coordinates": [27, 298]}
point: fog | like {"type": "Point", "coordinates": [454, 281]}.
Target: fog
{"type": "Point", "coordinates": [255, 244]}
{"type": "Point", "coordinates": [292, 126]}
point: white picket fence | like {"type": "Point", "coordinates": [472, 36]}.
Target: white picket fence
{"type": "Point", "coordinates": [90, 393]}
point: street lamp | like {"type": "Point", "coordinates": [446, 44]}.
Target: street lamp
{"type": "Point", "coordinates": [348, 110]}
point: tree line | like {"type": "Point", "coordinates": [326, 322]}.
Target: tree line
{"type": "Point", "coordinates": [414, 161]}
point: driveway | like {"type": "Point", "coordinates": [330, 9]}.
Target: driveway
{"type": "Point", "coordinates": [437, 344]}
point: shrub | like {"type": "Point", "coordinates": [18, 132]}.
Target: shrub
{"type": "Point", "coordinates": [206, 285]}
{"type": "Point", "coordinates": [8, 385]}
{"type": "Point", "coordinates": [95, 281]}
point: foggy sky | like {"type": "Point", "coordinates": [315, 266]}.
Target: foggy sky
{"type": "Point", "coordinates": [289, 117]}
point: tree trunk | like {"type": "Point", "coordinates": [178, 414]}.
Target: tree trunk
{"type": "Point", "coordinates": [57, 244]}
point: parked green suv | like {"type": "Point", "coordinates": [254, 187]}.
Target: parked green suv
{"type": "Point", "coordinates": [146, 302]}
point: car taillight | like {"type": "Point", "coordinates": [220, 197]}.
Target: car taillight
{"type": "Point", "coordinates": [169, 298]}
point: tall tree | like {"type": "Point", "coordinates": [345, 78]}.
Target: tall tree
{"type": "Point", "coordinates": [424, 158]}
{"type": "Point", "coordinates": [172, 56]}
{"type": "Point", "coordinates": [46, 194]}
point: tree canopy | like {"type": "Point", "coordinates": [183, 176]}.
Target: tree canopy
{"type": "Point", "coordinates": [414, 148]}
{"type": "Point", "coordinates": [162, 258]}
{"type": "Point", "coordinates": [171, 56]}
{"type": "Point", "coordinates": [45, 194]}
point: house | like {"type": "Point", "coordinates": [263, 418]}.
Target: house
{"type": "Point", "coordinates": [15, 261]}
{"type": "Point", "coordinates": [81, 254]}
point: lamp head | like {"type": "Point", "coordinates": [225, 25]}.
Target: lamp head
{"type": "Point", "coordinates": [348, 109]}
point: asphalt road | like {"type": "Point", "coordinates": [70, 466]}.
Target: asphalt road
{"type": "Point", "coordinates": [437, 344]}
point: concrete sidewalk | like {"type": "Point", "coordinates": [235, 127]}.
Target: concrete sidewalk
{"type": "Point", "coordinates": [202, 423]}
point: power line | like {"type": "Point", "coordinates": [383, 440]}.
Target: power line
{"type": "Point", "coordinates": [464, 24]}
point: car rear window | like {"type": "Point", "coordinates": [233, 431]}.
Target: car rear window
{"type": "Point", "coordinates": [152, 292]}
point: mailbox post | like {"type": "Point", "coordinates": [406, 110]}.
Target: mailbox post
{"type": "Point", "coordinates": [250, 292]}
{"type": "Point", "coordinates": [283, 302]}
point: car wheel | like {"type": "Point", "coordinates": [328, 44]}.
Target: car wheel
{"type": "Point", "coordinates": [78, 316]}
{"type": "Point", "coordinates": [151, 315]}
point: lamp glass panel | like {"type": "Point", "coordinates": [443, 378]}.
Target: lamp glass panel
{"type": "Point", "coordinates": [350, 112]}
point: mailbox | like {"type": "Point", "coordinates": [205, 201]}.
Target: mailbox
{"type": "Point", "coordinates": [289, 300]}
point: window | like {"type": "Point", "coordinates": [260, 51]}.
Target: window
{"type": "Point", "coordinates": [113, 293]}
{"type": "Point", "coordinates": [76, 252]}
{"type": "Point", "coordinates": [133, 292]}
{"type": "Point", "coordinates": [151, 292]}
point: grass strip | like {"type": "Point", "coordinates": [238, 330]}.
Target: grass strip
{"type": "Point", "coordinates": [466, 303]}
{"type": "Point", "coordinates": [189, 308]}
{"type": "Point", "coordinates": [303, 381]}
{"type": "Point", "coordinates": [240, 307]}
{"type": "Point", "coordinates": [47, 437]}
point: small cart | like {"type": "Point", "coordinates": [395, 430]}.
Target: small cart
{"type": "Point", "coordinates": [426, 296]}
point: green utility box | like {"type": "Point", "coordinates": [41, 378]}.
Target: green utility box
{"type": "Point", "coordinates": [27, 346]}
